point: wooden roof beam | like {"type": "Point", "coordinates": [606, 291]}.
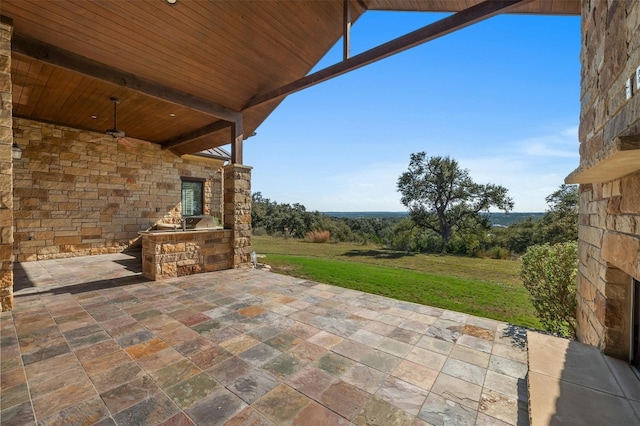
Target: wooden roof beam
{"type": "Point", "coordinates": [185, 138]}
{"type": "Point", "coordinates": [457, 21]}
{"type": "Point", "coordinates": [346, 29]}
{"type": "Point", "coordinates": [236, 138]}
{"type": "Point", "coordinates": [53, 55]}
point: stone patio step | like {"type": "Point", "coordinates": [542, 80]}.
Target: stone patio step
{"type": "Point", "coordinates": [571, 383]}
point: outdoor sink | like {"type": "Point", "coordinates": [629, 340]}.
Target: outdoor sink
{"type": "Point", "coordinates": [177, 230]}
{"type": "Point", "coordinates": [168, 230]}
{"type": "Point", "coordinates": [190, 224]}
{"type": "Point", "coordinates": [163, 225]}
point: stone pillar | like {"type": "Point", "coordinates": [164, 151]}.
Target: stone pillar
{"type": "Point", "coordinates": [6, 170]}
{"type": "Point", "coordinates": [237, 211]}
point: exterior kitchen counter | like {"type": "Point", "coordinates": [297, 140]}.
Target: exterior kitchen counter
{"type": "Point", "coordinates": [175, 253]}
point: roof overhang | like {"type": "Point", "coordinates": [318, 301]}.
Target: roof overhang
{"type": "Point", "coordinates": [197, 75]}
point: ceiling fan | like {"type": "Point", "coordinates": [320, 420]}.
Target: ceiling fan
{"type": "Point", "coordinates": [116, 133]}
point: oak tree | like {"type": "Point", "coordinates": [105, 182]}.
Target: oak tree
{"type": "Point", "coordinates": [442, 197]}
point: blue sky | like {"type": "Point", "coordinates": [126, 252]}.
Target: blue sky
{"type": "Point", "coordinates": [501, 97]}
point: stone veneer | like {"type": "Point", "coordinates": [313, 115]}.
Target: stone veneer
{"type": "Point", "coordinates": [609, 238]}
{"type": "Point", "coordinates": [79, 193]}
{"type": "Point", "coordinates": [237, 210]}
{"type": "Point", "coordinates": [6, 171]}
{"type": "Point", "coordinates": [175, 254]}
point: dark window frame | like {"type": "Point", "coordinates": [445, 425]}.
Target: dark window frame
{"type": "Point", "coordinates": [199, 209]}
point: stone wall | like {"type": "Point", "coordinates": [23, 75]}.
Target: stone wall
{"type": "Point", "coordinates": [78, 193]}
{"type": "Point", "coordinates": [6, 170]}
{"type": "Point", "coordinates": [609, 247]}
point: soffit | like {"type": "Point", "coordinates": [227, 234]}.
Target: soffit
{"type": "Point", "coordinates": [222, 52]}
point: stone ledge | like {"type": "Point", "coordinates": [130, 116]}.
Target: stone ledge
{"type": "Point", "coordinates": [611, 162]}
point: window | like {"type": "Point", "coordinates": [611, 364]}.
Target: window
{"type": "Point", "coordinates": [192, 197]}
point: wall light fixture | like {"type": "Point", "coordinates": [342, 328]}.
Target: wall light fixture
{"type": "Point", "coordinates": [16, 151]}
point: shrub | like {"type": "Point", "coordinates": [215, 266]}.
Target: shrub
{"type": "Point", "coordinates": [549, 275]}
{"type": "Point", "coordinates": [318, 236]}
{"type": "Point", "coordinates": [498, 253]}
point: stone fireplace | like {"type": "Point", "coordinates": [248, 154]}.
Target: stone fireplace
{"type": "Point", "coordinates": [635, 324]}
{"type": "Point", "coordinates": [609, 176]}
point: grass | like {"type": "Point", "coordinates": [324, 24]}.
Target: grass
{"type": "Point", "coordinates": [485, 287]}
{"type": "Point", "coordinates": [491, 270]}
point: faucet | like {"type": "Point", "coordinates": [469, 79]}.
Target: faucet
{"type": "Point", "coordinates": [182, 222]}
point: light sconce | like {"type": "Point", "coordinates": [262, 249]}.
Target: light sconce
{"type": "Point", "coordinates": [16, 151]}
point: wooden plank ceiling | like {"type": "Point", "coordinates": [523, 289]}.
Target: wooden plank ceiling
{"type": "Point", "coordinates": [220, 54]}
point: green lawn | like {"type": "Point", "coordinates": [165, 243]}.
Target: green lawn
{"type": "Point", "coordinates": [484, 287]}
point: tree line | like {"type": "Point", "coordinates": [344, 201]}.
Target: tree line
{"type": "Point", "coordinates": [558, 224]}
{"type": "Point", "coordinates": [447, 213]}
{"type": "Point", "coordinates": [295, 221]}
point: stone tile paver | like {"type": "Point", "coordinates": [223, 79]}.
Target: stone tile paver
{"type": "Point", "coordinates": [253, 385]}
{"type": "Point", "coordinates": [317, 414]}
{"type": "Point", "coordinates": [311, 381]}
{"type": "Point", "coordinates": [465, 371]}
{"type": "Point", "coordinates": [380, 412]}
{"type": "Point", "coordinates": [246, 347]}
{"type": "Point", "coordinates": [215, 409]}
{"type": "Point", "coordinates": [334, 364]}
{"type": "Point", "coordinates": [282, 366]}
{"type": "Point", "coordinates": [439, 410]}
{"type": "Point", "coordinates": [382, 361]}
{"type": "Point", "coordinates": [191, 390]}
{"type": "Point", "coordinates": [457, 390]}
{"type": "Point", "coordinates": [499, 406]}
{"type": "Point", "coordinates": [402, 395]}
{"type": "Point", "coordinates": [472, 356]}
{"type": "Point", "coordinates": [351, 349]}
{"type": "Point", "coordinates": [282, 404]}
{"type": "Point", "coordinates": [366, 378]}
{"type": "Point", "coordinates": [416, 374]}
{"type": "Point", "coordinates": [345, 399]}
{"type": "Point", "coordinates": [394, 347]}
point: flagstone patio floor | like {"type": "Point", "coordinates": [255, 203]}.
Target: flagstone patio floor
{"type": "Point", "coordinates": [90, 341]}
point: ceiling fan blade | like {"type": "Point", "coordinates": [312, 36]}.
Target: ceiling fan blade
{"type": "Point", "coordinates": [97, 139]}
{"type": "Point", "coordinates": [125, 142]}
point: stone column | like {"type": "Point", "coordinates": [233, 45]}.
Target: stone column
{"type": "Point", "coordinates": [237, 211]}
{"type": "Point", "coordinates": [6, 170]}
